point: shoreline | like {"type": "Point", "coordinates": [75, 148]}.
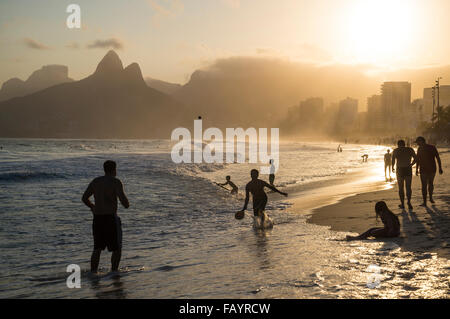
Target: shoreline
{"type": "Point", "coordinates": [352, 210]}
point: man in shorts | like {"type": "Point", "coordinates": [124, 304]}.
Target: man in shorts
{"type": "Point", "coordinates": [106, 226]}
{"type": "Point", "coordinates": [403, 156]}
{"type": "Point", "coordinates": [427, 155]}
{"type": "Point", "coordinates": [256, 188]}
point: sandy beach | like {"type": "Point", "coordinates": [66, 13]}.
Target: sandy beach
{"type": "Point", "coordinates": [422, 229]}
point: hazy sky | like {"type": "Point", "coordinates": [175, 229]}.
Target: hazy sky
{"type": "Point", "coordinates": [172, 38]}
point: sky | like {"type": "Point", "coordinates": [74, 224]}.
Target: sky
{"type": "Point", "coordinates": [172, 38]}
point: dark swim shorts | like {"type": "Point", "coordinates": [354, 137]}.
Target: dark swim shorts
{"type": "Point", "coordinates": [107, 231]}
{"type": "Point", "coordinates": [259, 204]}
{"type": "Point", "coordinates": [404, 172]}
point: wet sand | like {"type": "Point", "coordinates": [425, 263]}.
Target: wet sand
{"type": "Point", "coordinates": [423, 229]}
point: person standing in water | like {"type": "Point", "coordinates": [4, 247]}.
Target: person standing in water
{"type": "Point", "coordinates": [388, 164]}
{"type": "Point", "coordinates": [427, 155]}
{"type": "Point", "coordinates": [259, 196]}
{"type": "Point", "coordinates": [272, 172]}
{"type": "Point", "coordinates": [365, 158]}
{"type": "Point", "coordinates": [403, 156]}
{"type": "Point", "coordinates": [234, 188]}
{"type": "Point", "coordinates": [391, 224]}
{"type": "Point", "coordinates": [106, 226]}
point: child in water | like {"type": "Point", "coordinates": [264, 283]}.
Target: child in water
{"type": "Point", "coordinates": [391, 224]}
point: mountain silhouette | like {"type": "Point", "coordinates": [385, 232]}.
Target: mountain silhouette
{"type": "Point", "coordinates": [162, 86]}
{"type": "Point", "coordinates": [47, 76]}
{"type": "Point", "coordinates": [113, 102]}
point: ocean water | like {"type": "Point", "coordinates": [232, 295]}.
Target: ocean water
{"type": "Point", "coordinates": [180, 236]}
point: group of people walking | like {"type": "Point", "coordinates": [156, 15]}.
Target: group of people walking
{"type": "Point", "coordinates": [401, 162]}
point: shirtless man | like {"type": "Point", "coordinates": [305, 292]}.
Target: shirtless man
{"type": "Point", "coordinates": [234, 188]}
{"type": "Point", "coordinates": [106, 226]}
{"type": "Point", "coordinates": [402, 156]}
{"type": "Point", "coordinates": [427, 155]}
{"type": "Point", "coordinates": [388, 164]}
{"type": "Point", "coordinates": [256, 187]}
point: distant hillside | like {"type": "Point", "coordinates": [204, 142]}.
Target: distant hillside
{"type": "Point", "coordinates": [47, 76]}
{"type": "Point", "coordinates": [113, 102]}
{"type": "Point", "coordinates": [256, 92]}
{"type": "Point", "coordinates": [165, 87]}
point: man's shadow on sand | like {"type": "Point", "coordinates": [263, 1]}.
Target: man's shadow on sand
{"type": "Point", "coordinates": [426, 234]}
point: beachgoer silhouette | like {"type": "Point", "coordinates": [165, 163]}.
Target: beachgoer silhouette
{"type": "Point", "coordinates": [272, 172]}
{"type": "Point", "coordinates": [402, 156]}
{"type": "Point", "coordinates": [234, 188]}
{"type": "Point", "coordinates": [388, 164]}
{"type": "Point", "coordinates": [256, 188]}
{"type": "Point", "coordinates": [391, 224]}
{"type": "Point", "coordinates": [365, 157]}
{"type": "Point", "coordinates": [426, 164]}
{"type": "Point", "coordinates": [106, 226]}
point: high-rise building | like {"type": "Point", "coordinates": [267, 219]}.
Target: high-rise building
{"type": "Point", "coordinates": [396, 105]}
{"type": "Point", "coordinates": [306, 116]}
{"type": "Point", "coordinates": [375, 113]}
{"type": "Point", "coordinates": [347, 114]}
{"type": "Point", "coordinates": [312, 106]}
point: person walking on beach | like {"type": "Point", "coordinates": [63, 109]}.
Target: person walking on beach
{"type": "Point", "coordinates": [388, 164]}
{"type": "Point", "coordinates": [402, 156]}
{"type": "Point", "coordinates": [256, 188]}
{"type": "Point", "coordinates": [106, 226]}
{"type": "Point", "coordinates": [426, 164]}
{"type": "Point", "coordinates": [272, 172]}
{"type": "Point", "coordinates": [234, 188]}
{"type": "Point", "coordinates": [391, 224]}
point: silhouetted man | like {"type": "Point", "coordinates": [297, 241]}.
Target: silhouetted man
{"type": "Point", "coordinates": [388, 164]}
{"type": "Point", "coordinates": [402, 156]}
{"type": "Point", "coordinates": [234, 188]}
{"type": "Point", "coordinates": [106, 226]}
{"type": "Point", "coordinates": [426, 163]}
{"type": "Point", "coordinates": [256, 187]}
{"type": "Point", "coordinates": [272, 172]}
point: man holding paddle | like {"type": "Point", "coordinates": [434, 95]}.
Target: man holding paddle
{"type": "Point", "coordinates": [234, 188]}
{"type": "Point", "coordinates": [256, 187]}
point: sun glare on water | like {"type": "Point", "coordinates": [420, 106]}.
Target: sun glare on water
{"type": "Point", "coordinates": [380, 31]}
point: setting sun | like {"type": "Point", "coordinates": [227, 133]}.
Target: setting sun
{"type": "Point", "coordinates": [379, 31]}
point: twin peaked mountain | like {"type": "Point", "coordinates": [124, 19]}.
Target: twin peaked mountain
{"type": "Point", "coordinates": [113, 102]}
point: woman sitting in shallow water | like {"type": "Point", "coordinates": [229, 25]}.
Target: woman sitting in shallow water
{"type": "Point", "coordinates": [391, 224]}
